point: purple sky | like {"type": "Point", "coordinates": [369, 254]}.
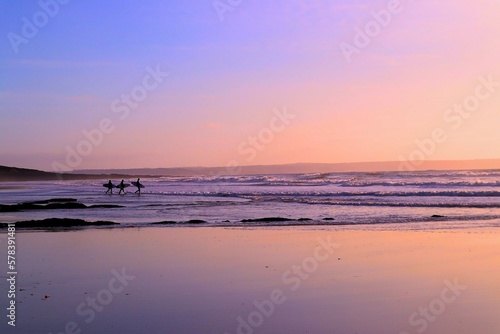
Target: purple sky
{"type": "Point", "coordinates": [359, 81]}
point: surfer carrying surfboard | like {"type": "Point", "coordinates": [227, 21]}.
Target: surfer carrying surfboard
{"type": "Point", "coordinates": [110, 187]}
{"type": "Point", "coordinates": [122, 188]}
{"type": "Point", "coordinates": [138, 185]}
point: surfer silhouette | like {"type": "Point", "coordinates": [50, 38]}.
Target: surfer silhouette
{"type": "Point", "coordinates": [138, 185]}
{"type": "Point", "coordinates": [110, 187]}
{"type": "Point", "coordinates": [122, 188]}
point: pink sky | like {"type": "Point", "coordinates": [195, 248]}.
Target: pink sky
{"type": "Point", "coordinates": [226, 78]}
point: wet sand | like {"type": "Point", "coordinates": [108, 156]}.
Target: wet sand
{"type": "Point", "coordinates": [242, 280]}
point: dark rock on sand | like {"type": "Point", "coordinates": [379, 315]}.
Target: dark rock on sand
{"type": "Point", "coordinates": [166, 222]}
{"type": "Point", "coordinates": [8, 208]}
{"type": "Point", "coordinates": [196, 221]}
{"type": "Point", "coordinates": [52, 204]}
{"type": "Point", "coordinates": [170, 222]}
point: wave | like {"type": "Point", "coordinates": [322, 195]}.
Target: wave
{"type": "Point", "coordinates": [426, 184]}
{"type": "Point", "coordinates": [391, 204]}
{"type": "Point", "coordinates": [374, 179]}
{"type": "Point", "coordinates": [434, 193]}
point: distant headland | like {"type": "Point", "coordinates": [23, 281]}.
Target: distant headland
{"type": "Point", "coordinates": [23, 174]}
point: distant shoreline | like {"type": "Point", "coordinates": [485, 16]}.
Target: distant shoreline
{"type": "Point", "coordinates": [14, 174]}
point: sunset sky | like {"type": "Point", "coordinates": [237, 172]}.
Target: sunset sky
{"type": "Point", "coordinates": [232, 69]}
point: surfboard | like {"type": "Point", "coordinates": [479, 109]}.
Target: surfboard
{"type": "Point", "coordinates": [107, 185]}
{"type": "Point", "coordinates": [125, 185]}
{"type": "Point", "coordinates": [136, 184]}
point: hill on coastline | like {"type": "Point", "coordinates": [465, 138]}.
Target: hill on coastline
{"type": "Point", "coordinates": [11, 174]}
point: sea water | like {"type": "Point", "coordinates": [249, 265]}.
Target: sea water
{"type": "Point", "coordinates": [389, 199]}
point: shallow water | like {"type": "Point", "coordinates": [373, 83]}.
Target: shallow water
{"type": "Point", "coordinates": [464, 198]}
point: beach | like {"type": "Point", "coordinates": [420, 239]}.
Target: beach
{"type": "Point", "coordinates": [312, 279]}
{"type": "Point", "coordinates": [356, 252]}
{"type": "Point", "coordinates": [246, 167]}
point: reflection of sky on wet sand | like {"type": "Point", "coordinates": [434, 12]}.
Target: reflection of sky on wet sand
{"type": "Point", "coordinates": [201, 280]}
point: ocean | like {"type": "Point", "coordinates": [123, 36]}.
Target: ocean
{"type": "Point", "coordinates": [393, 200]}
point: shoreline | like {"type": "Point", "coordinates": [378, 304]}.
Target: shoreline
{"type": "Point", "coordinates": [65, 204]}
{"type": "Point", "coordinates": [449, 226]}
{"type": "Point", "coordinates": [56, 223]}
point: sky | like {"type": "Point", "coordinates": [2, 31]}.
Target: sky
{"type": "Point", "coordinates": [127, 84]}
